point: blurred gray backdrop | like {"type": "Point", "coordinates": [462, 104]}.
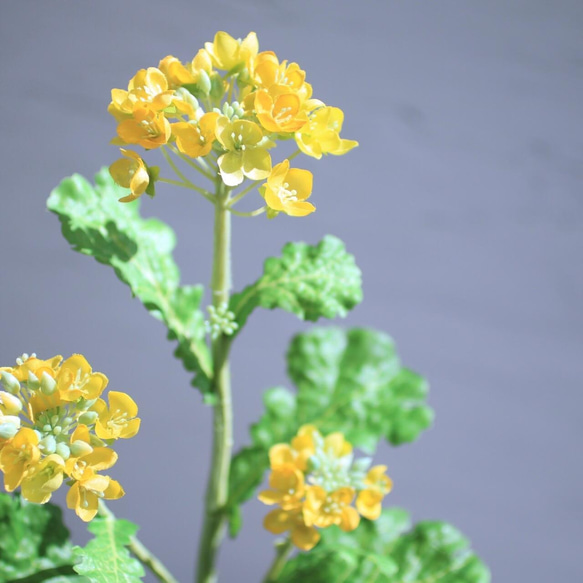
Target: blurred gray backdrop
{"type": "Point", "coordinates": [463, 208]}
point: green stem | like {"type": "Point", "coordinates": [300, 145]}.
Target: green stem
{"type": "Point", "coordinates": [282, 550]}
{"type": "Point", "coordinates": [193, 163]}
{"type": "Point", "coordinates": [218, 486]}
{"type": "Point", "coordinates": [185, 180]}
{"type": "Point", "coordinates": [254, 213]}
{"type": "Point", "coordinates": [241, 194]}
{"type": "Point", "coordinates": [141, 552]}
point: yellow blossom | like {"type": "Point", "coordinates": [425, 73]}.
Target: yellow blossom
{"type": "Point", "coordinates": [246, 155]}
{"type": "Point", "coordinates": [279, 112]}
{"type": "Point", "coordinates": [76, 379]}
{"type": "Point", "coordinates": [323, 509]}
{"type": "Point", "coordinates": [130, 172]}
{"type": "Point", "coordinates": [146, 128]}
{"type": "Point", "coordinates": [268, 71]}
{"type": "Point", "coordinates": [279, 521]}
{"type": "Point", "coordinates": [119, 420]}
{"type": "Point", "coordinates": [287, 487]}
{"type": "Point", "coordinates": [148, 89]}
{"type": "Point", "coordinates": [369, 500]}
{"type": "Point", "coordinates": [195, 138]}
{"type": "Point", "coordinates": [321, 135]}
{"type": "Point", "coordinates": [34, 365]}
{"type": "Point", "coordinates": [175, 72]}
{"type": "Point", "coordinates": [287, 189]}
{"type": "Point", "coordinates": [227, 53]}
{"type": "Point", "coordinates": [43, 479]}
{"type": "Point", "coordinates": [17, 456]}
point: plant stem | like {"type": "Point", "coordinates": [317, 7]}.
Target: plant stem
{"type": "Point", "coordinates": [218, 486]}
{"type": "Point", "coordinates": [282, 550]}
{"type": "Point", "coordinates": [254, 213]}
{"type": "Point", "coordinates": [185, 180]}
{"type": "Point", "coordinates": [141, 552]}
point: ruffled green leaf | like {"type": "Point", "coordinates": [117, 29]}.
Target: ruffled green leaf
{"type": "Point", "coordinates": [105, 559]}
{"type": "Point", "coordinates": [389, 551]}
{"type": "Point", "coordinates": [312, 282]}
{"type": "Point", "coordinates": [349, 381]}
{"type": "Point", "coordinates": [33, 538]}
{"type": "Point", "coordinates": [140, 252]}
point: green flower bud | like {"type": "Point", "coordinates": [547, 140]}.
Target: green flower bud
{"type": "Point", "coordinates": [64, 451]}
{"type": "Point", "coordinates": [33, 383]}
{"type": "Point", "coordinates": [10, 403]}
{"type": "Point", "coordinates": [204, 82]}
{"type": "Point", "coordinates": [8, 430]}
{"type": "Point", "coordinates": [88, 418]}
{"type": "Point", "coordinates": [48, 444]}
{"type": "Point", "coordinates": [10, 382]}
{"type": "Point", "coordinates": [48, 385]}
{"type": "Point", "coordinates": [80, 448]}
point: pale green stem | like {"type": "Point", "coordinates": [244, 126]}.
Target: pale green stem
{"type": "Point", "coordinates": [141, 552]}
{"type": "Point", "coordinates": [254, 213]}
{"type": "Point", "coordinates": [282, 551]}
{"type": "Point", "coordinates": [218, 486]}
{"type": "Point", "coordinates": [173, 182]}
{"type": "Point", "coordinates": [241, 194]}
{"type": "Point", "coordinates": [296, 153]}
{"type": "Point", "coordinates": [193, 163]}
{"type": "Point", "coordinates": [185, 180]}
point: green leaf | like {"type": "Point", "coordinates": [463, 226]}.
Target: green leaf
{"type": "Point", "coordinates": [32, 538]}
{"type": "Point", "coordinates": [311, 282]}
{"type": "Point", "coordinates": [384, 552]}
{"type": "Point", "coordinates": [140, 252]}
{"type": "Point", "coordinates": [105, 559]}
{"type": "Point", "coordinates": [349, 381]}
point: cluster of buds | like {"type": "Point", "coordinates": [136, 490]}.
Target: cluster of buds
{"type": "Point", "coordinates": [315, 481]}
{"type": "Point", "coordinates": [54, 427]}
{"type": "Point", "coordinates": [227, 121]}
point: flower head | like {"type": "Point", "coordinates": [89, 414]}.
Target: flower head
{"type": "Point", "coordinates": [54, 425]}
{"type": "Point", "coordinates": [314, 481]}
{"type": "Point", "coordinates": [227, 53]}
{"type": "Point", "coordinates": [130, 172]}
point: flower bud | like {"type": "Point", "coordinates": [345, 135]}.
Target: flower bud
{"type": "Point", "coordinates": [33, 383]}
{"type": "Point", "coordinates": [10, 382]}
{"type": "Point", "coordinates": [64, 451]}
{"type": "Point", "coordinates": [48, 444]}
{"type": "Point", "coordinates": [88, 418]}
{"type": "Point", "coordinates": [204, 82]}
{"type": "Point", "coordinates": [80, 448]}
{"type": "Point", "coordinates": [10, 404]}
{"type": "Point", "coordinates": [8, 430]}
{"type": "Point", "coordinates": [48, 385]}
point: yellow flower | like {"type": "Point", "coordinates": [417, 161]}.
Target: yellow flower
{"type": "Point", "coordinates": [175, 72]}
{"type": "Point", "coordinates": [287, 189]}
{"type": "Point", "coordinates": [90, 486]}
{"type": "Point", "coordinates": [321, 135]}
{"type": "Point", "coordinates": [17, 456]}
{"type": "Point", "coordinates": [369, 500]}
{"type": "Point", "coordinates": [146, 128]}
{"type": "Point", "coordinates": [227, 53]}
{"type": "Point", "coordinates": [148, 89]}
{"type": "Point", "coordinates": [130, 172]}
{"type": "Point", "coordinates": [279, 521]}
{"type": "Point", "coordinates": [323, 509]}
{"type": "Point", "coordinates": [268, 71]}
{"type": "Point", "coordinates": [195, 138]}
{"type": "Point", "coordinates": [36, 366]}
{"type": "Point", "coordinates": [246, 155]}
{"type": "Point", "coordinates": [119, 420]}
{"type": "Point", "coordinates": [279, 112]}
{"type": "Point", "coordinates": [77, 380]}
{"type": "Point", "coordinates": [287, 487]}
{"type": "Point", "coordinates": [43, 479]}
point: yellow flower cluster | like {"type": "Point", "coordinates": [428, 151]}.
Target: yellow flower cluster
{"type": "Point", "coordinates": [54, 427]}
{"type": "Point", "coordinates": [314, 482]}
{"type": "Point", "coordinates": [230, 119]}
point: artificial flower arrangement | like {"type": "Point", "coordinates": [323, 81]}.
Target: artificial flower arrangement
{"type": "Point", "coordinates": [217, 120]}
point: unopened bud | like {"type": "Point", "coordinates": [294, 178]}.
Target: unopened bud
{"type": "Point", "coordinates": [10, 404]}
{"type": "Point", "coordinates": [88, 418]}
{"type": "Point", "coordinates": [80, 448]}
{"type": "Point", "coordinates": [33, 383]}
{"type": "Point", "coordinates": [8, 430]}
{"type": "Point", "coordinates": [10, 382]}
{"type": "Point", "coordinates": [204, 82]}
{"type": "Point", "coordinates": [48, 444]}
{"type": "Point", "coordinates": [63, 450]}
{"type": "Point", "coordinates": [48, 385]}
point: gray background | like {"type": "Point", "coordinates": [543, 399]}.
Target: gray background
{"type": "Point", "coordinates": [462, 206]}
